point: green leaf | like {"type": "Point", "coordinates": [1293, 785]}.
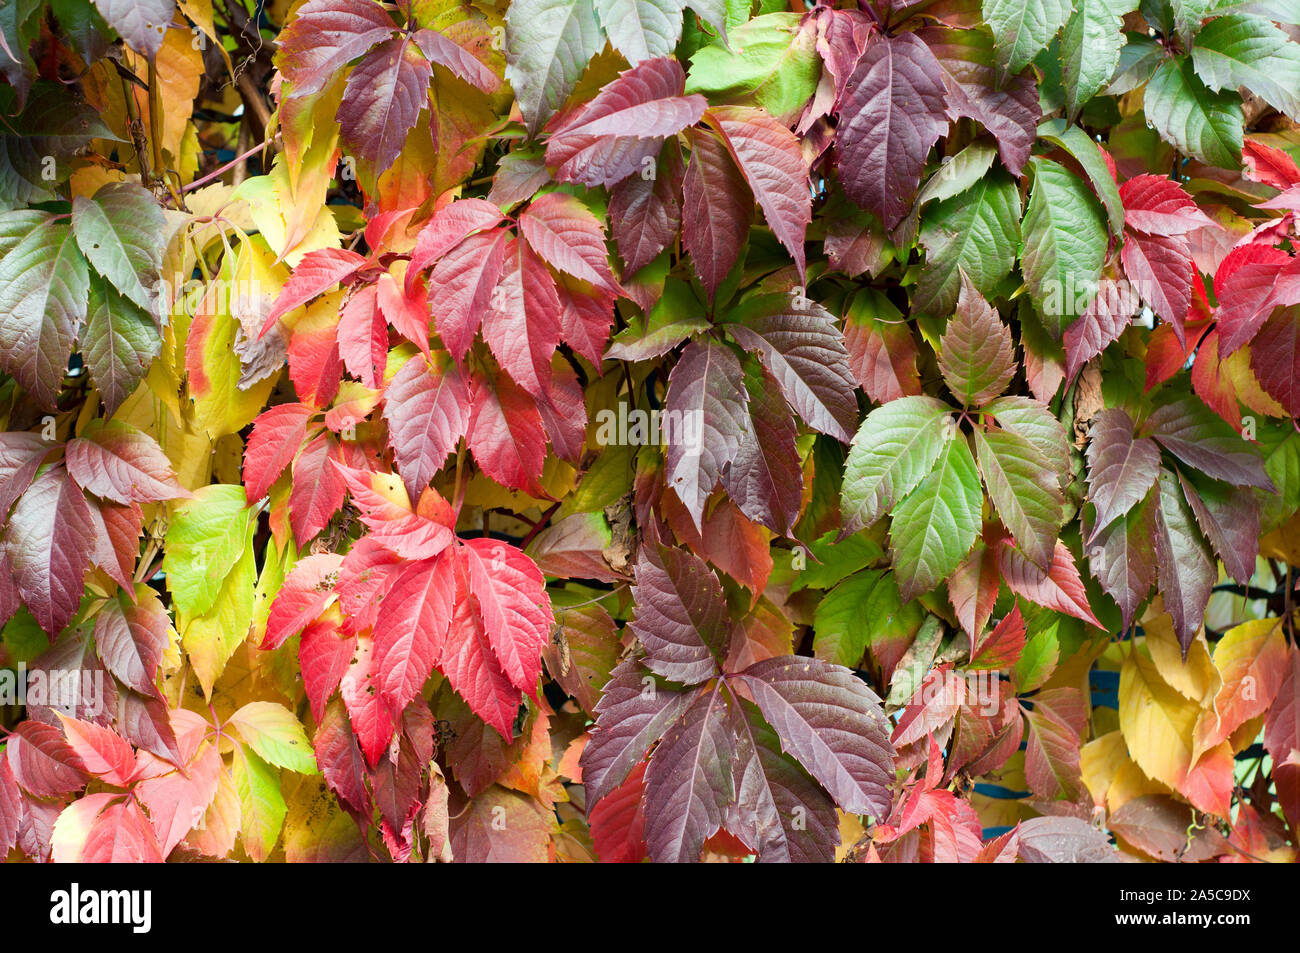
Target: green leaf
{"type": "Point", "coordinates": [1025, 492]}
{"type": "Point", "coordinates": [548, 45]}
{"type": "Point", "coordinates": [1192, 118]}
{"type": "Point", "coordinates": [1022, 29]}
{"type": "Point", "coordinates": [641, 29]}
{"type": "Point", "coordinates": [841, 625]}
{"type": "Point", "coordinates": [1138, 59]}
{"type": "Point", "coordinates": [276, 734]}
{"type": "Point", "coordinates": [1065, 242]}
{"type": "Point", "coordinates": [119, 343]}
{"type": "Point", "coordinates": [1038, 660]}
{"type": "Point", "coordinates": [937, 524]}
{"type": "Point", "coordinates": [1036, 423]}
{"type": "Point", "coordinates": [1239, 50]}
{"type": "Point", "coordinates": [1081, 146]}
{"type": "Point", "coordinates": [828, 561]}
{"type": "Point", "coordinates": [976, 231]}
{"type": "Point", "coordinates": [207, 536]}
{"type": "Point", "coordinates": [1090, 47]}
{"type": "Point", "coordinates": [261, 805]}
{"type": "Point", "coordinates": [896, 446]}
{"type": "Point", "coordinates": [33, 143]}
{"type": "Point", "coordinates": [767, 62]}
{"type": "Point", "coordinates": [121, 231]}
{"type": "Point", "coordinates": [44, 282]}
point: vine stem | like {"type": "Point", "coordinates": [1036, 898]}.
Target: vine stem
{"type": "Point", "coordinates": [217, 173]}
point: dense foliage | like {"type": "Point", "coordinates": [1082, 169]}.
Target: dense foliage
{"type": "Point", "coordinates": [609, 429]}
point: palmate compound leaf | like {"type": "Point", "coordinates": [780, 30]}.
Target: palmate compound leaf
{"type": "Point", "coordinates": [976, 355]}
{"type": "Point", "coordinates": [548, 45]}
{"type": "Point", "coordinates": [706, 407]}
{"type": "Point", "coordinates": [935, 526]}
{"type": "Point", "coordinates": [681, 615]}
{"type": "Point", "coordinates": [801, 345]}
{"type": "Point", "coordinates": [893, 113]}
{"type": "Point", "coordinates": [44, 282]}
{"type": "Point", "coordinates": [568, 237]}
{"type": "Point", "coordinates": [893, 451]}
{"type": "Point", "coordinates": [1121, 468]}
{"type": "Point", "coordinates": [623, 128]}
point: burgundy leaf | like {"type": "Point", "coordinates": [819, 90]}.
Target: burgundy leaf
{"type": "Point", "coordinates": [49, 540]}
{"type": "Point", "coordinates": [717, 210]}
{"type": "Point", "coordinates": [681, 615]}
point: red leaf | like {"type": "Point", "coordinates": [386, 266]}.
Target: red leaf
{"type": "Point", "coordinates": [510, 594]}
{"type": "Point", "coordinates": [471, 667]}
{"type": "Point", "coordinates": [305, 593]}
{"type": "Point", "coordinates": [49, 540]}
{"type": "Point", "coordinates": [1160, 268]}
{"type": "Point", "coordinates": [522, 323]}
{"type": "Point", "coordinates": [42, 761]}
{"type": "Point", "coordinates": [427, 410]}
{"type": "Point", "coordinates": [1269, 165]}
{"type": "Point", "coordinates": [609, 138]}
{"type": "Point", "coordinates": [386, 510]}
{"type": "Point", "coordinates": [318, 490]}
{"type": "Point", "coordinates": [569, 238]}
{"type": "Point", "coordinates": [411, 627]}
{"type": "Point", "coordinates": [973, 589]}
{"type": "Point", "coordinates": [1001, 648]}
{"type": "Point", "coordinates": [131, 639]}
{"type": "Point", "coordinates": [1275, 359]}
{"type": "Point", "coordinates": [585, 319]}
{"type": "Point", "coordinates": [324, 36]}
{"type": "Point", "coordinates": [505, 434]}
{"type": "Point", "coordinates": [1060, 588]}
{"type": "Point", "coordinates": [645, 211]}
{"type": "Point", "coordinates": [117, 540]}
{"type": "Point", "coordinates": [318, 272]}
{"type": "Point", "coordinates": [363, 337]}
{"type": "Point", "coordinates": [372, 722]}
{"type": "Point", "coordinates": [315, 366]}
{"type": "Point", "coordinates": [277, 435]}
{"type": "Point", "coordinates": [1250, 292]}
{"type": "Point", "coordinates": [1109, 312]}
{"type": "Point", "coordinates": [362, 581]}
{"type": "Point", "coordinates": [119, 463]}
{"type": "Point", "coordinates": [1157, 205]}
{"type": "Point", "coordinates": [770, 157]}
{"type": "Point", "coordinates": [339, 758]}
{"type": "Point", "coordinates": [406, 309]}
{"type": "Point", "coordinates": [893, 111]}
{"type": "Point", "coordinates": [103, 753]}
{"type": "Point", "coordinates": [121, 835]}
{"type": "Point", "coordinates": [442, 50]}
{"type": "Point", "coordinates": [451, 225]}
{"type": "Point", "coordinates": [717, 210]}
{"type": "Point", "coordinates": [617, 821]}
{"type": "Point", "coordinates": [382, 100]}
{"type": "Point", "coordinates": [324, 654]}
{"type": "Point", "coordinates": [462, 285]}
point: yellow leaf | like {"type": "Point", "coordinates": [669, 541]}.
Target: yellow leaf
{"type": "Point", "coordinates": [1251, 660]}
{"type": "Point", "coordinates": [210, 639]}
{"type": "Point", "coordinates": [1157, 721]}
{"type": "Point", "coordinates": [1197, 678]}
